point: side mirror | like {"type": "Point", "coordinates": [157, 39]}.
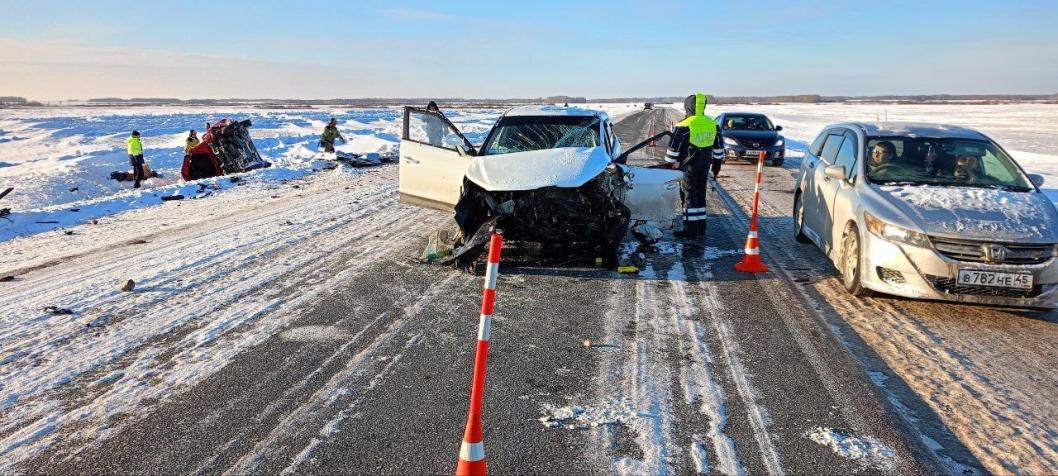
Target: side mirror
{"type": "Point", "coordinates": [836, 172]}
{"type": "Point", "coordinates": [1037, 179]}
{"type": "Point", "coordinates": [778, 128]}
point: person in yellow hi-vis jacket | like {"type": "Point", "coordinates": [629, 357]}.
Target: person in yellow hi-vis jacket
{"type": "Point", "coordinates": [691, 150]}
{"type": "Point", "coordinates": [135, 148]}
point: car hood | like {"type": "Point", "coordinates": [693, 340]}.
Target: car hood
{"type": "Point", "coordinates": [763, 136]}
{"type": "Point", "coordinates": [566, 167]}
{"type": "Point", "coordinates": [976, 213]}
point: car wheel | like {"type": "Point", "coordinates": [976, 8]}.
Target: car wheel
{"type": "Point", "coordinates": [799, 220]}
{"type": "Point", "coordinates": [777, 163]}
{"type": "Point", "coordinates": [850, 263]}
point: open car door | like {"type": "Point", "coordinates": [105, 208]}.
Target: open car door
{"type": "Point", "coordinates": [654, 188]}
{"type": "Point", "coordinates": [434, 157]}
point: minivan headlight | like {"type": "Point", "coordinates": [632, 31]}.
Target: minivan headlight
{"type": "Point", "coordinates": [730, 141]}
{"type": "Point", "coordinates": [891, 232]}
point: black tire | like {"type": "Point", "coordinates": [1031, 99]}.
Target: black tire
{"type": "Point", "coordinates": [799, 220]}
{"type": "Point", "coordinates": [777, 162]}
{"type": "Point", "coordinates": [851, 264]}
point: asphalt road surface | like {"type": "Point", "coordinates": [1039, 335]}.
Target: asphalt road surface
{"type": "Point", "coordinates": [687, 366]}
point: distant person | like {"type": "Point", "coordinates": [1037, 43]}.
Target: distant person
{"type": "Point", "coordinates": [191, 142]}
{"type": "Point", "coordinates": [331, 134]}
{"type": "Point", "coordinates": [135, 149]}
{"type": "Point", "coordinates": [730, 124]}
{"type": "Point", "coordinates": [435, 126]}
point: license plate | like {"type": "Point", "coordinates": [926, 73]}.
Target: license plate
{"type": "Point", "coordinates": [970, 277]}
{"type": "Point", "coordinates": [753, 153]}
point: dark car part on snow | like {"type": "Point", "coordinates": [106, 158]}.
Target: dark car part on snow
{"type": "Point", "coordinates": [6, 191]}
{"type": "Point", "coordinates": [130, 177]}
{"type": "Point", "coordinates": [5, 212]}
{"type": "Point", "coordinates": [226, 148]}
{"type": "Point", "coordinates": [57, 311]}
{"type": "Point", "coordinates": [7, 279]}
{"type": "Point", "coordinates": [172, 197]}
{"type": "Point", "coordinates": [591, 216]}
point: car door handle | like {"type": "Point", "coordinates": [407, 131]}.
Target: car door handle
{"type": "Point", "coordinates": [410, 159]}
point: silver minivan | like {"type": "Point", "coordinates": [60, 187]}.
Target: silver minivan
{"type": "Point", "coordinates": [928, 211]}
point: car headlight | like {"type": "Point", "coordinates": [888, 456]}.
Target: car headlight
{"type": "Point", "coordinates": [891, 232]}
{"type": "Point", "coordinates": [780, 142]}
{"type": "Point", "coordinates": [730, 141]}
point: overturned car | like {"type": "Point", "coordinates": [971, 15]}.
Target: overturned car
{"type": "Point", "coordinates": [226, 148]}
{"type": "Point", "coordinates": [544, 174]}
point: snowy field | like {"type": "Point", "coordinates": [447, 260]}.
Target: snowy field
{"type": "Point", "coordinates": [59, 160]}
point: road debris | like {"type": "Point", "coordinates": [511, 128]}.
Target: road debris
{"type": "Point", "coordinates": [172, 197]}
{"type": "Point", "coordinates": [648, 234]}
{"type": "Point", "coordinates": [129, 286]}
{"type": "Point", "coordinates": [57, 311]}
{"type": "Point", "coordinates": [7, 279]}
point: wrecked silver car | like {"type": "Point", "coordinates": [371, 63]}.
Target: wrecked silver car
{"type": "Point", "coordinates": [544, 174]}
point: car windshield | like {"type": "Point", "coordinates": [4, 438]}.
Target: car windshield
{"type": "Point", "coordinates": [747, 123]}
{"type": "Point", "coordinates": [946, 162]}
{"type": "Point", "coordinates": [525, 133]}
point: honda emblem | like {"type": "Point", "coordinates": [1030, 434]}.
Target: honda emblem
{"type": "Point", "coordinates": [994, 253]}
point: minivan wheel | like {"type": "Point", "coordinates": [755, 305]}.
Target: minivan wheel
{"type": "Point", "coordinates": [799, 220]}
{"type": "Point", "coordinates": [850, 263]}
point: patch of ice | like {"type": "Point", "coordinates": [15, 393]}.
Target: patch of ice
{"type": "Point", "coordinates": [864, 450]}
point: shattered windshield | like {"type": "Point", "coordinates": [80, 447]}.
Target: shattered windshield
{"type": "Point", "coordinates": [521, 134]}
{"type": "Point", "coordinates": [950, 162]}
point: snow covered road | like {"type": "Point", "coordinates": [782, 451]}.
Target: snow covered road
{"type": "Point", "coordinates": [285, 326]}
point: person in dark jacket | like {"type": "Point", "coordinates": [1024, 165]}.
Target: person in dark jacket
{"type": "Point", "coordinates": [691, 150]}
{"type": "Point", "coordinates": [135, 149]}
{"type": "Point", "coordinates": [330, 134]}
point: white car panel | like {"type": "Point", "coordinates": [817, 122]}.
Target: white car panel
{"type": "Point", "coordinates": [430, 176]}
{"type": "Point", "coordinates": [566, 167]}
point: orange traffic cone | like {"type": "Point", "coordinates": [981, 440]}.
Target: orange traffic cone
{"type": "Point", "coordinates": [472, 451]}
{"type": "Point", "coordinates": [652, 143]}
{"type": "Point", "coordinates": [751, 262]}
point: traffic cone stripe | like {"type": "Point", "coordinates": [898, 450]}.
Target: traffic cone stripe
{"type": "Point", "coordinates": [472, 451]}
{"type": "Point", "coordinates": [753, 233]}
{"type": "Point", "coordinates": [484, 327]}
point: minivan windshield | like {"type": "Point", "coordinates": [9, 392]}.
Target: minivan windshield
{"type": "Point", "coordinates": [946, 162]}
{"type": "Point", "coordinates": [525, 133]}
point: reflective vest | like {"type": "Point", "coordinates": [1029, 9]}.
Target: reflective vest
{"type": "Point", "coordinates": [135, 147]}
{"type": "Point", "coordinates": [702, 127]}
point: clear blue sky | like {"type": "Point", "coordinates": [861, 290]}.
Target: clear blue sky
{"type": "Point", "coordinates": [314, 49]}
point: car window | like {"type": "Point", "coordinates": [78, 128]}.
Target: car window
{"type": "Point", "coordinates": [526, 133]}
{"type": "Point", "coordinates": [847, 156]}
{"type": "Point", "coordinates": [833, 144]}
{"type": "Point", "coordinates": [817, 145]}
{"type": "Point", "coordinates": [948, 162]}
{"type": "Point", "coordinates": [432, 129]}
